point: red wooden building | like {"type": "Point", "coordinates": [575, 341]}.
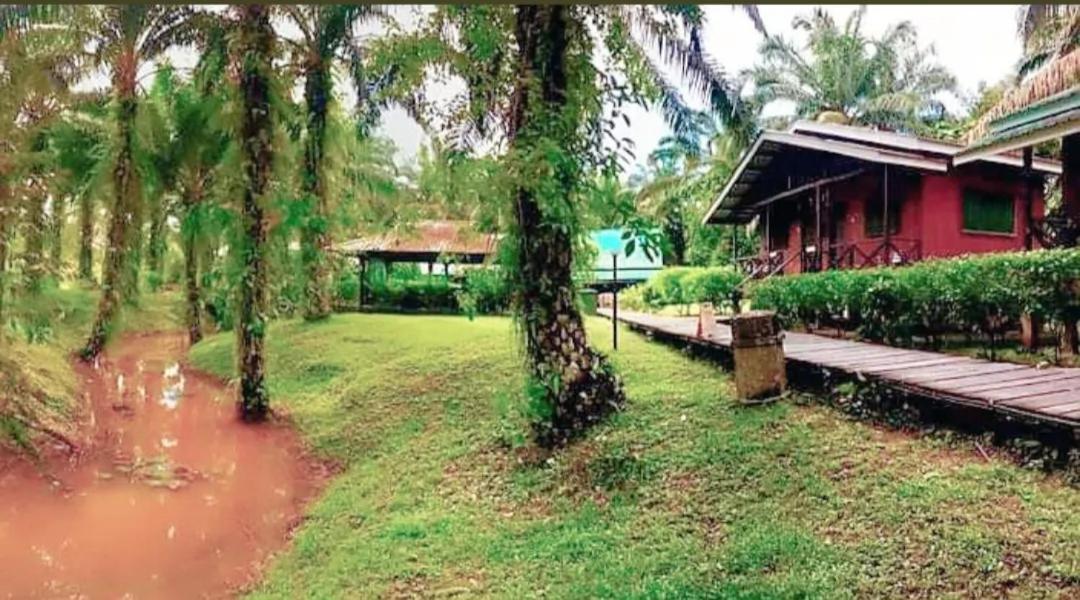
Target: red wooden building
{"type": "Point", "coordinates": [835, 196]}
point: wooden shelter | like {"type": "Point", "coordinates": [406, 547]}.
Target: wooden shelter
{"type": "Point", "coordinates": [425, 242]}
{"type": "Point", "coordinates": [828, 196]}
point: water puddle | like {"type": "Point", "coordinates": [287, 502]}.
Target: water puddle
{"type": "Point", "coordinates": [177, 498]}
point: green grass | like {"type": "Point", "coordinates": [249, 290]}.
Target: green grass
{"type": "Point", "coordinates": [38, 392]}
{"type": "Point", "coordinates": [683, 494]}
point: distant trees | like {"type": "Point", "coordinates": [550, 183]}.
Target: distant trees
{"type": "Point", "coordinates": [124, 37]}
{"type": "Point", "coordinates": [326, 39]}
{"type": "Point", "coordinates": [846, 76]}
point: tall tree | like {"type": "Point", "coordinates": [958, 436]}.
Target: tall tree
{"type": "Point", "coordinates": [326, 38]}
{"type": "Point", "coordinates": [254, 51]}
{"type": "Point", "coordinates": [1048, 31]}
{"type": "Point", "coordinates": [80, 148]}
{"type": "Point", "coordinates": [844, 75]}
{"type": "Point", "coordinates": [533, 75]}
{"type": "Point", "coordinates": [124, 37]}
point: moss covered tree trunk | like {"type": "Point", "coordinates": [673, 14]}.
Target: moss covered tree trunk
{"type": "Point", "coordinates": [7, 212]}
{"type": "Point", "coordinates": [189, 237]}
{"type": "Point", "coordinates": [578, 386]}
{"type": "Point", "coordinates": [34, 267]}
{"type": "Point", "coordinates": [115, 271]}
{"type": "Point", "coordinates": [315, 238]}
{"type": "Point", "coordinates": [156, 254]}
{"type": "Point", "coordinates": [56, 233]}
{"type": "Point", "coordinates": [256, 45]}
{"type": "Point", "coordinates": [86, 237]}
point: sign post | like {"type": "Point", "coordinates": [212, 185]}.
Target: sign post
{"type": "Point", "coordinates": [615, 300]}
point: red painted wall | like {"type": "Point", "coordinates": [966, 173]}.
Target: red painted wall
{"type": "Point", "coordinates": [931, 213]}
{"type": "Point", "coordinates": [943, 215]}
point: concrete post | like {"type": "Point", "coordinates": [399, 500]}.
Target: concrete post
{"type": "Point", "coordinates": [757, 343]}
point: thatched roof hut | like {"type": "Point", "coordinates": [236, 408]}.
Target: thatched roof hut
{"type": "Point", "coordinates": [1044, 107]}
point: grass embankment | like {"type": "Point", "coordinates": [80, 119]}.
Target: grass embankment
{"type": "Point", "coordinates": [38, 393]}
{"type": "Point", "coordinates": [681, 495]}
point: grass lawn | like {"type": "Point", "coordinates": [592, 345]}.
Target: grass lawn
{"type": "Point", "coordinates": [682, 495]}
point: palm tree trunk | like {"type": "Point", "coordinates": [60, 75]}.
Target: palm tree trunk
{"type": "Point", "coordinates": [579, 386]}
{"type": "Point", "coordinates": [315, 237]}
{"type": "Point", "coordinates": [6, 211]}
{"type": "Point", "coordinates": [86, 237]}
{"type": "Point", "coordinates": [56, 234]}
{"type": "Point", "coordinates": [157, 237]}
{"type": "Point", "coordinates": [256, 46]}
{"type": "Point", "coordinates": [190, 234]}
{"type": "Point", "coordinates": [115, 277]}
{"type": "Point", "coordinates": [34, 250]}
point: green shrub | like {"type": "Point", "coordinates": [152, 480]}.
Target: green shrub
{"type": "Point", "coordinates": [712, 284]}
{"type": "Point", "coordinates": [485, 291]}
{"type": "Point", "coordinates": [683, 286]}
{"type": "Point", "coordinates": [982, 294]}
{"type": "Point", "coordinates": [670, 286]}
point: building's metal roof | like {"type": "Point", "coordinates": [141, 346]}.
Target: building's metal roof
{"type": "Point", "coordinates": [891, 139]}
{"type": "Point", "coordinates": [1048, 119]}
{"type": "Point", "coordinates": [425, 240]}
{"type": "Point", "coordinates": [859, 143]}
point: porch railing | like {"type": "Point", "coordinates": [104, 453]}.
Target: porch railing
{"type": "Point", "coordinates": [844, 255]}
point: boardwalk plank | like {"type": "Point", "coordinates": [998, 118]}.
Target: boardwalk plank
{"type": "Point", "coordinates": [1035, 389]}
{"type": "Point", "coordinates": [1050, 394]}
{"type": "Point", "coordinates": [1018, 380]}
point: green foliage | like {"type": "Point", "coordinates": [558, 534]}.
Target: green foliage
{"type": "Point", "coordinates": [676, 286]}
{"type": "Point", "coordinates": [485, 291]}
{"type": "Point", "coordinates": [849, 76]}
{"type": "Point", "coordinates": [977, 294]}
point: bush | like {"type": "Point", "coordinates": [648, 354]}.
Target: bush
{"type": "Point", "coordinates": [683, 286]}
{"type": "Point", "coordinates": [984, 294]}
{"type": "Point", "coordinates": [484, 291]}
{"type": "Point", "coordinates": [712, 284]}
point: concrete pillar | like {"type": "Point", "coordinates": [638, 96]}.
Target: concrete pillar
{"type": "Point", "coordinates": [757, 344]}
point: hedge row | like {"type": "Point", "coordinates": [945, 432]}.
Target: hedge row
{"type": "Point", "coordinates": [684, 286]}
{"type": "Point", "coordinates": [983, 294]}
{"type": "Point", "coordinates": [478, 291]}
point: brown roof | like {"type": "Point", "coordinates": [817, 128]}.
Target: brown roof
{"type": "Point", "coordinates": [425, 238]}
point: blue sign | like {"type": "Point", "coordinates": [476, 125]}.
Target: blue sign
{"type": "Point", "coordinates": [636, 266]}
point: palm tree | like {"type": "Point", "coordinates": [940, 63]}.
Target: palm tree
{"type": "Point", "coordinates": [1048, 31]}
{"type": "Point", "coordinates": [531, 78]}
{"type": "Point", "coordinates": [253, 52]}
{"type": "Point", "coordinates": [326, 38]}
{"type": "Point", "coordinates": [80, 148]}
{"type": "Point", "coordinates": [124, 37]}
{"type": "Point", "coordinates": [845, 76]}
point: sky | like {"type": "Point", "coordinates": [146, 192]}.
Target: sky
{"type": "Point", "coordinates": [976, 43]}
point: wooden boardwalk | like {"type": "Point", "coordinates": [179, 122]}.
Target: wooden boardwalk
{"type": "Point", "coordinates": [1049, 395]}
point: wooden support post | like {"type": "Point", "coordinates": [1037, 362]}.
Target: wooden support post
{"type": "Point", "coordinates": [817, 228]}
{"type": "Point", "coordinates": [885, 216]}
{"type": "Point", "coordinates": [1070, 176]}
{"type": "Point", "coordinates": [1028, 199]}
{"type": "Point", "coordinates": [361, 275]}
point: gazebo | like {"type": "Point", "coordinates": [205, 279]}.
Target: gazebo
{"type": "Point", "coordinates": [425, 242]}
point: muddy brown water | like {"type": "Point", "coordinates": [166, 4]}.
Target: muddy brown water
{"type": "Point", "coordinates": [176, 498]}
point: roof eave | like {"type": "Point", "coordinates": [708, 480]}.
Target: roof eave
{"type": "Point", "coordinates": [1008, 144]}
